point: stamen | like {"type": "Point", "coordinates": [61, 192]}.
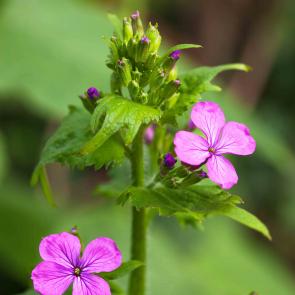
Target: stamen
{"type": "Point", "coordinates": [77, 271]}
{"type": "Point", "coordinates": [211, 150]}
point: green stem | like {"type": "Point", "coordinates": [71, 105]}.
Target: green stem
{"type": "Point", "coordinates": [139, 222]}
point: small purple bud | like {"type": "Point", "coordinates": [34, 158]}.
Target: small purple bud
{"type": "Point", "coordinates": [177, 82]}
{"type": "Point", "coordinates": [145, 40]}
{"type": "Point", "coordinates": [203, 174]}
{"type": "Point", "coordinates": [175, 54]}
{"type": "Point", "coordinates": [135, 15]}
{"type": "Point", "coordinates": [93, 92]}
{"type": "Point", "coordinates": [169, 161]}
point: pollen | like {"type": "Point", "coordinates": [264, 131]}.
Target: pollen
{"type": "Point", "coordinates": [211, 150]}
{"type": "Point", "coordinates": [77, 271]}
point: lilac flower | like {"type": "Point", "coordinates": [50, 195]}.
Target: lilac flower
{"type": "Point", "coordinates": [175, 54]}
{"type": "Point", "coordinates": [63, 265]}
{"type": "Point", "coordinates": [169, 161]}
{"type": "Point", "coordinates": [93, 92]}
{"type": "Point", "coordinates": [221, 138]}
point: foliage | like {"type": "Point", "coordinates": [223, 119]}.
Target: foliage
{"type": "Point", "coordinates": [193, 204]}
{"type": "Point", "coordinates": [117, 114]}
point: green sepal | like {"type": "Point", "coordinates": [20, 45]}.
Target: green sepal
{"type": "Point", "coordinates": [127, 29]}
{"type": "Point", "coordinates": [153, 34]}
{"type": "Point", "coordinates": [123, 270]}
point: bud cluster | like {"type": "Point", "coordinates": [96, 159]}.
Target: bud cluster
{"type": "Point", "coordinates": [137, 65]}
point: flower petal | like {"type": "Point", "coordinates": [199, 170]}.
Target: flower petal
{"type": "Point", "coordinates": [208, 117]}
{"type": "Point", "coordinates": [63, 248]}
{"type": "Point", "coordinates": [101, 255]}
{"type": "Point", "coordinates": [89, 284]}
{"type": "Point", "coordinates": [221, 171]}
{"type": "Point", "coordinates": [236, 139]}
{"type": "Point", "coordinates": [50, 278]}
{"type": "Point", "coordinates": [191, 148]}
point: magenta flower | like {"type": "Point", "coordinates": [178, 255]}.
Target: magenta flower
{"type": "Point", "coordinates": [221, 138]}
{"type": "Point", "coordinates": [149, 134]}
{"type": "Point", "coordinates": [63, 265]}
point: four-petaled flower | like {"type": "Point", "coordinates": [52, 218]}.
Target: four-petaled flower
{"type": "Point", "coordinates": [221, 138]}
{"type": "Point", "coordinates": [63, 265]}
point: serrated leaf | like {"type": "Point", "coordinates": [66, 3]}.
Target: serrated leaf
{"type": "Point", "coordinates": [123, 270]}
{"type": "Point", "coordinates": [64, 146]}
{"type": "Point", "coordinates": [115, 113]}
{"type": "Point", "coordinates": [193, 203]}
{"type": "Point", "coordinates": [74, 132]}
{"type": "Point", "coordinates": [198, 80]}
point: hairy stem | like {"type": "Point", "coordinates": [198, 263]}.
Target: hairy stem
{"type": "Point", "coordinates": [139, 222]}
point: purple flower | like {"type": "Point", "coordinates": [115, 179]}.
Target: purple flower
{"type": "Point", "coordinates": [175, 54]}
{"type": "Point", "coordinates": [169, 161]}
{"type": "Point", "coordinates": [63, 265]}
{"type": "Point", "coordinates": [93, 92]}
{"type": "Point", "coordinates": [221, 138]}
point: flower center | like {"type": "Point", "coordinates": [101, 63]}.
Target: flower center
{"type": "Point", "coordinates": [77, 271]}
{"type": "Point", "coordinates": [211, 150]}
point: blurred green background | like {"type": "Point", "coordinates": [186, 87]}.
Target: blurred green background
{"type": "Point", "coordinates": [52, 50]}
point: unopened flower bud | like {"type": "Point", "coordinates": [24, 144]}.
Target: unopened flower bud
{"type": "Point", "coordinates": [142, 50]}
{"type": "Point", "coordinates": [115, 83]}
{"type": "Point", "coordinates": [175, 55]}
{"type": "Point", "coordinates": [137, 24]}
{"type": "Point", "coordinates": [127, 30]}
{"type": "Point", "coordinates": [169, 161]}
{"type": "Point", "coordinates": [202, 174]}
{"type": "Point", "coordinates": [124, 70]}
{"type": "Point", "coordinates": [93, 93]}
{"type": "Point", "coordinates": [170, 61]}
{"type": "Point", "coordinates": [89, 98]}
{"type": "Point", "coordinates": [151, 60]}
{"type": "Point", "coordinates": [153, 34]}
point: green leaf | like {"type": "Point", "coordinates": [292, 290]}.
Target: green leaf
{"type": "Point", "coordinates": [117, 23]}
{"type": "Point", "coordinates": [198, 80]}
{"type": "Point", "coordinates": [123, 270]}
{"type": "Point", "coordinates": [113, 114]}
{"type": "Point", "coordinates": [64, 146]}
{"type": "Point", "coordinates": [40, 175]}
{"type": "Point", "coordinates": [193, 203]}
{"type": "Point", "coordinates": [73, 133]}
{"type": "Point", "coordinates": [248, 219]}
